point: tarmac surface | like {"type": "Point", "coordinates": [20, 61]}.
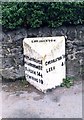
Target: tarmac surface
{"type": "Point", "coordinates": [24, 101]}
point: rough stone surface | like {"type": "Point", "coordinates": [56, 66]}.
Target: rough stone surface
{"type": "Point", "coordinates": [11, 53]}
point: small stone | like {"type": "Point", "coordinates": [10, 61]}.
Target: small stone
{"type": "Point", "coordinates": [59, 105]}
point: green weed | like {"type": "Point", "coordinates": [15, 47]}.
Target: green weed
{"type": "Point", "coordinates": [67, 82]}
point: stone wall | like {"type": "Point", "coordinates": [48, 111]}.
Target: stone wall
{"type": "Point", "coordinates": [12, 50]}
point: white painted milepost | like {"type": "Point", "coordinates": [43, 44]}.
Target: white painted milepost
{"type": "Point", "coordinates": [44, 59]}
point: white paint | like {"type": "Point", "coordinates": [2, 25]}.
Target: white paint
{"type": "Point", "coordinates": [45, 51]}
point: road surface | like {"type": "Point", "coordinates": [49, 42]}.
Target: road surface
{"type": "Point", "coordinates": [27, 102]}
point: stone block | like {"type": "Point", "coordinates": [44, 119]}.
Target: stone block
{"type": "Point", "coordinates": [44, 61]}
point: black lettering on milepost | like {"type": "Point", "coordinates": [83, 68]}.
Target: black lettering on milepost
{"type": "Point", "coordinates": [30, 70]}
{"type": "Point", "coordinates": [33, 59]}
{"type": "Point", "coordinates": [46, 40]}
{"type": "Point", "coordinates": [54, 60]}
{"type": "Point", "coordinates": [62, 64]}
{"type": "Point", "coordinates": [39, 67]}
{"type": "Point", "coordinates": [34, 72]}
{"type": "Point", "coordinates": [41, 81]}
{"type": "Point", "coordinates": [31, 77]}
{"type": "Point", "coordinates": [50, 69]}
{"type": "Point", "coordinates": [39, 74]}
